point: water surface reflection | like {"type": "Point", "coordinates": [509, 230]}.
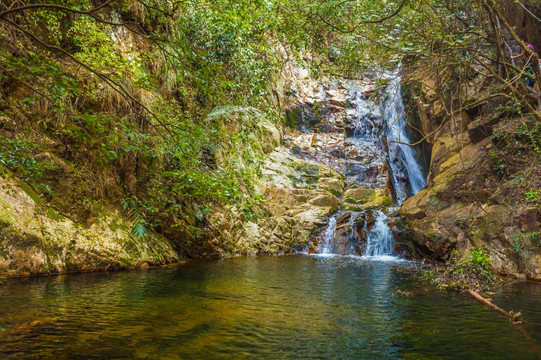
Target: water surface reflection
{"type": "Point", "coordinates": [296, 307]}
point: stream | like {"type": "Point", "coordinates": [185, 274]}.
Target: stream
{"type": "Point", "coordinates": [281, 307]}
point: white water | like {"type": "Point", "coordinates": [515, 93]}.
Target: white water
{"type": "Point", "coordinates": [380, 241]}
{"type": "Point", "coordinates": [400, 155]}
{"type": "Point", "coordinates": [329, 236]}
{"type": "Point", "coordinates": [366, 135]}
{"type": "Point", "coordinates": [407, 176]}
{"type": "Point", "coordinates": [365, 128]}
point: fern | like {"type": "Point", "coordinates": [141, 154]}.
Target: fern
{"type": "Point", "coordinates": [140, 228]}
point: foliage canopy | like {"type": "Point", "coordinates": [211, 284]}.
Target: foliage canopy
{"type": "Point", "coordinates": [124, 88]}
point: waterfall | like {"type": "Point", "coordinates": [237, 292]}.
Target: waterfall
{"type": "Point", "coordinates": [380, 241]}
{"type": "Point", "coordinates": [372, 136]}
{"type": "Point", "coordinates": [328, 240]}
{"type": "Point", "coordinates": [400, 156]}
{"type": "Point", "coordinates": [365, 128]}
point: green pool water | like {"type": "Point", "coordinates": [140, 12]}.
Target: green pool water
{"type": "Point", "coordinates": [289, 307]}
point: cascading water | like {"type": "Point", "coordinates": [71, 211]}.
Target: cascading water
{"type": "Point", "coordinates": [371, 156]}
{"type": "Point", "coordinates": [328, 240]}
{"type": "Point", "coordinates": [400, 156]}
{"type": "Point", "coordinates": [364, 127]}
{"type": "Point", "coordinates": [380, 241]}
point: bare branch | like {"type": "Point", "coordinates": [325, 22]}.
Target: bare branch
{"type": "Point", "coordinates": [112, 83]}
{"type": "Point", "coordinates": [54, 7]}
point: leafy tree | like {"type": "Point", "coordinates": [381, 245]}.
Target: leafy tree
{"type": "Point", "coordinates": [129, 89]}
{"type": "Point", "coordinates": [124, 88]}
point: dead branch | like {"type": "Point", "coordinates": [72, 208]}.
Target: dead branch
{"type": "Point", "coordinates": [515, 317]}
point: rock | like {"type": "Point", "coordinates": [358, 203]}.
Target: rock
{"type": "Point", "coordinates": [325, 200]}
{"type": "Point", "coordinates": [302, 73]}
{"type": "Point", "coordinates": [521, 277]}
{"type": "Point", "coordinates": [34, 325]}
{"type": "Point", "coordinates": [369, 198]}
{"type": "Point", "coordinates": [359, 195]}
{"type": "Point", "coordinates": [293, 116]}
{"type": "Point", "coordinates": [481, 128]}
{"type": "Point", "coordinates": [466, 205]}
{"type": "Point", "coordinates": [332, 185]}
{"type": "Point", "coordinates": [299, 198]}
{"type": "Point", "coordinates": [336, 106]}
{"type": "Point", "coordinates": [36, 241]}
{"type": "Point", "coordinates": [349, 237]}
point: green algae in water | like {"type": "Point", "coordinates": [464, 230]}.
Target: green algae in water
{"type": "Point", "coordinates": [292, 307]}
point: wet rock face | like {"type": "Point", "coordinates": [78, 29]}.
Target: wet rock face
{"type": "Point", "coordinates": [348, 235]}
{"type": "Point", "coordinates": [467, 204]}
{"type": "Point", "coordinates": [351, 234]}
{"type": "Point", "coordinates": [348, 134]}
{"type": "Point", "coordinates": [342, 128]}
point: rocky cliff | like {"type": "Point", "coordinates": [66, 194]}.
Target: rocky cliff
{"type": "Point", "coordinates": [36, 239]}
{"type": "Point", "coordinates": [483, 186]}
{"type": "Point", "coordinates": [322, 166]}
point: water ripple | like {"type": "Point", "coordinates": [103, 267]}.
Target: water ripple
{"type": "Point", "coordinates": [291, 307]}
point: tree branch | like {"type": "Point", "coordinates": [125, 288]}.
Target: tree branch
{"type": "Point", "coordinates": [112, 83]}
{"type": "Point", "coordinates": [54, 7]}
{"type": "Point", "coordinates": [359, 24]}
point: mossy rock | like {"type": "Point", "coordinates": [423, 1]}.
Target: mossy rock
{"type": "Point", "coordinates": [359, 195]}
{"type": "Point", "coordinates": [293, 116]}
{"type": "Point", "coordinates": [367, 197]}
{"type": "Point", "coordinates": [334, 186]}
{"type": "Point", "coordinates": [326, 171]}
{"type": "Point", "coordinates": [35, 239]}
{"type": "Point", "coordinates": [307, 169]}
{"type": "Point", "coordinates": [352, 207]}
{"type": "Point", "coordinates": [325, 200]}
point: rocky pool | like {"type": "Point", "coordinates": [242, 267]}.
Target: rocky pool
{"type": "Point", "coordinates": [288, 307]}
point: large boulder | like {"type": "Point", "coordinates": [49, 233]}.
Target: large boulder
{"type": "Point", "coordinates": [37, 239]}
{"type": "Point", "coordinates": [299, 198]}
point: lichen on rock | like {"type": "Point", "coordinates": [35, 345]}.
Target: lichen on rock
{"type": "Point", "coordinates": [33, 242]}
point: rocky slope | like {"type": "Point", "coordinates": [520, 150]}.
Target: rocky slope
{"type": "Point", "coordinates": [483, 186]}
{"type": "Point", "coordinates": [36, 239]}
{"type": "Point", "coordinates": [320, 169]}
